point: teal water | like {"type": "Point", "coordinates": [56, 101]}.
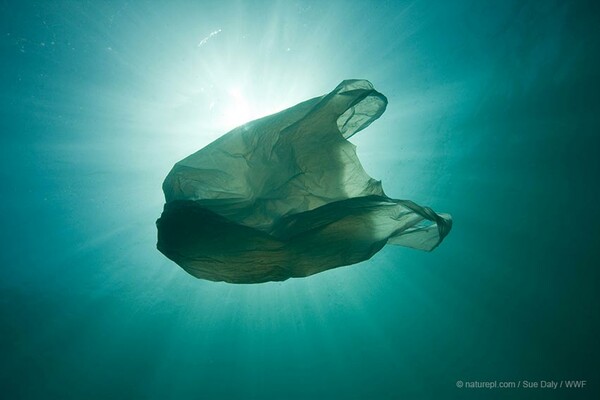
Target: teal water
{"type": "Point", "coordinates": [492, 117]}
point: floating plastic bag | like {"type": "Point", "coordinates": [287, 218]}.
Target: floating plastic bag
{"type": "Point", "coordinates": [286, 196]}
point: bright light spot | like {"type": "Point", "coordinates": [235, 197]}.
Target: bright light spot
{"type": "Point", "coordinates": [236, 93]}
{"type": "Point", "coordinates": [237, 110]}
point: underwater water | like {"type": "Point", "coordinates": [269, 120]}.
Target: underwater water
{"type": "Point", "coordinates": [493, 117]}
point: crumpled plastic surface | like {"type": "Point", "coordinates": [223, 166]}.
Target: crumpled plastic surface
{"type": "Point", "coordinates": [286, 196]}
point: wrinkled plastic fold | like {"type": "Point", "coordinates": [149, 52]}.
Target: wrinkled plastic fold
{"type": "Point", "coordinates": [286, 196]}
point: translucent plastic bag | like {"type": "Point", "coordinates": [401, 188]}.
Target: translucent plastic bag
{"type": "Point", "coordinates": [286, 196]}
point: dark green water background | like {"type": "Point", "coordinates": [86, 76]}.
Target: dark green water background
{"type": "Point", "coordinates": [493, 117]}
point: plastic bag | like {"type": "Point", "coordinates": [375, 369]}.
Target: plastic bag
{"type": "Point", "coordinates": [286, 196]}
